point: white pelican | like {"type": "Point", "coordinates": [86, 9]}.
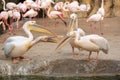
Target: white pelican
{"type": "Point", "coordinates": [91, 43]}
{"type": "Point", "coordinates": [16, 46]}
{"type": "Point", "coordinates": [74, 21]}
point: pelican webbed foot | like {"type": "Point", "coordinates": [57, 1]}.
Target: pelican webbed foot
{"type": "Point", "coordinates": [15, 60]}
{"type": "Point", "coordinates": [24, 58]}
{"type": "Point", "coordinates": [76, 55]}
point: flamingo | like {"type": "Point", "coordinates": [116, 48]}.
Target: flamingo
{"type": "Point", "coordinates": [58, 6]}
{"type": "Point", "coordinates": [44, 5]}
{"type": "Point", "coordinates": [4, 4]}
{"type": "Point", "coordinates": [84, 7]}
{"type": "Point", "coordinates": [4, 17]}
{"type": "Point", "coordinates": [16, 15]}
{"type": "Point", "coordinates": [98, 17]}
{"type": "Point", "coordinates": [91, 43]}
{"type": "Point", "coordinates": [73, 7]}
{"type": "Point", "coordinates": [55, 14]}
{"type": "Point", "coordinates": [101, 11]}
{"type": "Point", "coordinates": [35, 6]}
{"type": "Point", "coordinates": [3, 26]}
{"type": "Point", "coordinates": [95, 18]}
{"type": "Point", "coordinates": [11, 5]}
{"type": "Point", "coordinates": [28, 3]}
{"type": "Point", "coordinates": [22, 7]}
{"type": "Point", "coordinates": [31, 13]}
{"type": "Point", "coordinates": [16, 46]}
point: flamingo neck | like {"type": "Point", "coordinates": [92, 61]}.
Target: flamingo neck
{"type": "Point", "coordinates": [48, 12]}
{"type": "Point", "coordinates": [4, 3]}
{"type": "Point", "coordinates": [27, 31]}
{"type": "Point", "coordinates": [102, 4]}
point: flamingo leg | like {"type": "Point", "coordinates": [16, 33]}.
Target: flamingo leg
{"type": "Point", "coordinates": [17, 25]}
{"type": "Point", "coordinates": [101, 28]}
{"type": "Point", "coordinates": [94, 28]}
{"type": "Point", "coordinates": [4, 28]}
{"type": "Point", "coordinates": [9, 27]}
{"type": "Point", "coordinates": [43, 16]}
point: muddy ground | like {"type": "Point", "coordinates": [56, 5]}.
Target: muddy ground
{"type": "Point", "coordinates": [44, 54]}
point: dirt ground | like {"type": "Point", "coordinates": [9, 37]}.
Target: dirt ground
{"type": "Point", "coordinates": [45, 52]}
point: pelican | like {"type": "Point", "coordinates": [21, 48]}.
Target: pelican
{"type": "Point", "coordinates": [74, 21]}
{"type": "Point", "coordinates": [91, 43]}
{"type": "Point", "coordinates": [16, 46]}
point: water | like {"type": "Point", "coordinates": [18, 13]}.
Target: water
{"type": "Point", "coordinates": [59, 78]}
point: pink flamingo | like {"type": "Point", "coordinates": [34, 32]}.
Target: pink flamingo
{"type": "Point", "coordinates": [73, 7]}
{"type": "Point", "coordinates": [59, 6]}
{"type": "Point", "coordinates": [84, 7]}
{"type": "Point", "coordinates": [28, 3]}
{"type": "Point", "coordinates": [22, 7]}
{"type": "Point", "coordinates": [31, 13]}
{"type": "Point", "coordinates": [44, 5]}
{"type": "Point", "coordinates": [16, 15]}
{"type": "Point", "coordinates": [3, 26]}
{"type": "Point", "coordinates": [11, 5]}
{"type": "Point", "coordinates": [55, 14]}
{"type": "Point", "coordinates": [4, 17]}
{"type": "Point", "coordinates": [99, 16]}
{"type": "Point", "coordinates": [101, 11]}
{"type": "Point", "coordinates": [94, 18]}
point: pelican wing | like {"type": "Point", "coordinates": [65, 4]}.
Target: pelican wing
{"type": "Point", "coordinates": [102, 43]}
{"type": "Point", "coordinates": [8, 47]}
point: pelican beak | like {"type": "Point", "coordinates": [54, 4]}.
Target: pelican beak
{"type": "Point", "coordinates": [50, 39]}
{"type": "Point", "coordinates": [64, 42]}
{"type": "Point", "coordinates": [71, 25]}
{"type": "Point", "coordinates": [41, 29]}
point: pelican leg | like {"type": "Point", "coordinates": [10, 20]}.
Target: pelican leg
{"type": "Point", "coordinates": [97, 56]}
{"type": "Point", "coordinates": [101, 28]}
{"type": "Point", "coordinates": [79, 52]}
{"type": "Point", "coordinates": [89, 55]}
{"type": "Point", "coordinates": [24, 59]}
{"type": "Point", "coordinates": [73, 54]}
{"type": "Point", "coordinates": [15, 60]}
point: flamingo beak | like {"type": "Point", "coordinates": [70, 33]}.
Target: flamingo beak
{"type": "Point", "coordinates": [64, 42]}
{"type": "Point", "coordinates": [71, 25]}
{"type": "Point", "coordinates": [41, 29]}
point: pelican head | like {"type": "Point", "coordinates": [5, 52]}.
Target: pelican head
{"type": "Point", "coordinates": [71, 23]}
{"type": "Point", "coordinates": [32, 25]}
{"type": "Point", "coordinates": [79, 33]}
{"type": "Point", "coordinates": [67, 38]}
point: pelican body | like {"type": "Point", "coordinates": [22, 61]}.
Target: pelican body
{"type": "Point", "coordinates": [16, 46]}
{"type": "Point", "coordinates": [91, 43]}
{"type": "Point", "coordinates": [74, 21]}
